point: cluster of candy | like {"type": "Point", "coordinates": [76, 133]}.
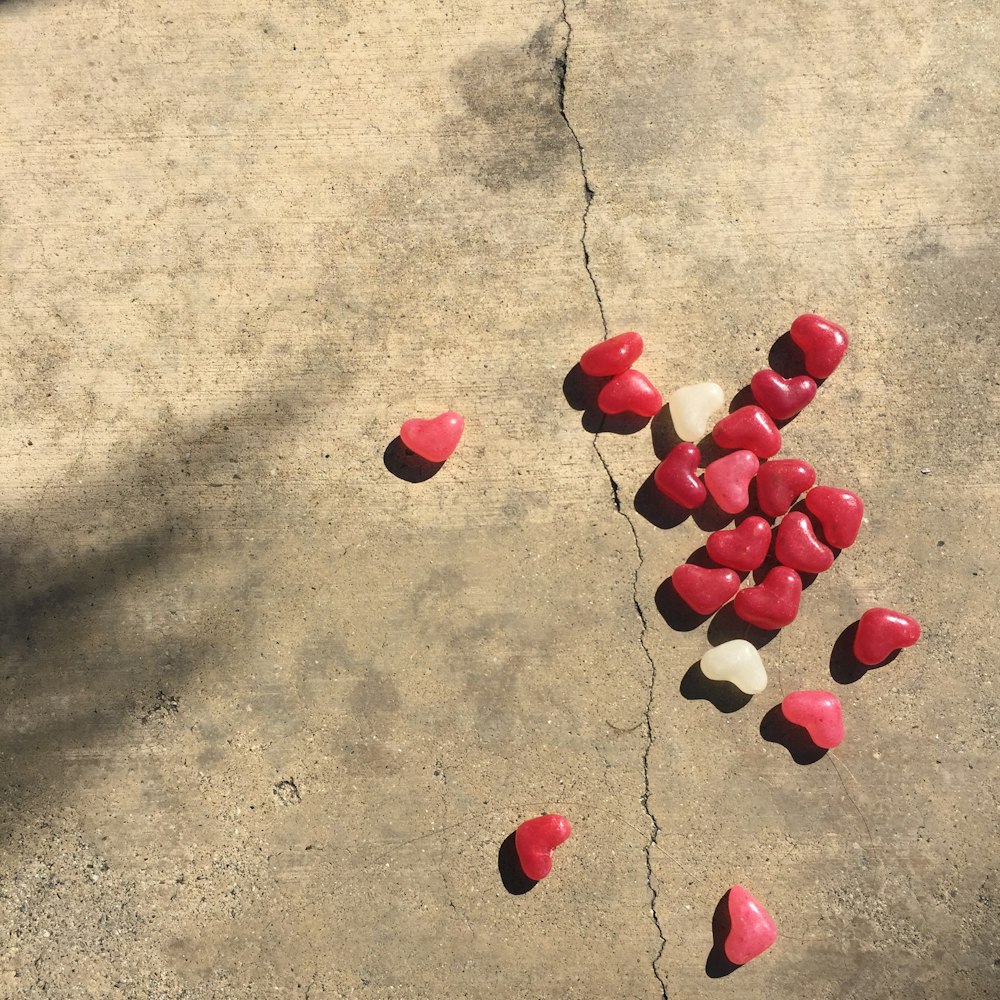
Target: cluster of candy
{"type": "Point", "coordinates": [751, 436]}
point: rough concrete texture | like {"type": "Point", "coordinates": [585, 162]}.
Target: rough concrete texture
{"type": "Point", "coordinates": [268, 709]}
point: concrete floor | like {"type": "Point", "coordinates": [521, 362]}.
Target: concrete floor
{"type": "Point", "coordinates": [268, 709]}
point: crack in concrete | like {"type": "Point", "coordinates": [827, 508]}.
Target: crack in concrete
{"type": "Point", "coordinates": [654, 827]}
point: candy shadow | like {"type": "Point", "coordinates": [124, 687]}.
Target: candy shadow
{"type": "Point", "coordinates": [775, 728]}
{"type": "Point", "coordinates": [717, 965]}
{"type": "Point", "coordinates": [727, 625]}
{"type": "Point", "coordinates": [744, 397]}
{"type": "Point", "coordinates": [662, 431]}
{"type": "Point", "coordinates": [710, 516]}
{"type": "Point", "coordinates": [786, 358]}
{"type": "Point", "coordinates": [674, 610]}
{"type": "Point", "coordinates": [658, 509]}
{"type": "Point", "coordinates": [723, 696]}
{"type": "Point", "coordinates": [581, 391]}
{"type": "Point", "coordinates": [407, 465]}
{"type": "Point", "coordinates": [511, 873]}
{"type": "Point", "coordinates": [845, 667]}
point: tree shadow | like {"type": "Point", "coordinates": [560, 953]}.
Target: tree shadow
{"type": "Point", "coordinates": [725, 697]}
{"type": "Point", "coordinates": [775, 728]}
{"type": "Point", "coordinates": [408, 465]}
{"type": "Point", "coordinates": [717, 965]}
{"type": "Point", "coordinates": [509, 866]}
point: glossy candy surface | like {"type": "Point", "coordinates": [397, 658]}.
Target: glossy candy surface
{"type": "Point", "coordinates": [630, 392]}
{"type": "Point", "coordinates": [433, 439]}
{"type": "Point", "coordinates": [737, 662]}
{"type": "Point", "coordinates": [782, 398]}
{"type": "Point", "coordinates": [839, 512]}
{"type": "Point", "coordinates": [881, 632]}
{"type": "Point", "coordinates": [819, 713]}
{"type": "Point", "coordinates": [691, 406]}
{"type": "Point", "coordinates": [728, 480]}
{"type": "Point", "coordinates": [751, 930]}
{"type": "Point", "coordinates": [796, 545]}
{"type": "Point", "coordinates": [741, 548]}
{"type": "Point", "coordinates": [705, 590]}
{"type": "Point", "coordinates": [677, 476]}
{"type": "Point", "coordinates": [751, 428]}
{"type": "Point", "coordinates": [772, 604]}
{"type": "Point", "coordinates": [612, 356]}
{"type": "Point", "coordinates": [536, 839]}
{"type": "Point", "coordinates": [780, 482]}
{"type": "Point", "coordinates": [823, 343]}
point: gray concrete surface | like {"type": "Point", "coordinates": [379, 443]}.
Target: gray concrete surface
{"type": "Point", "coordinates": [268, 711]}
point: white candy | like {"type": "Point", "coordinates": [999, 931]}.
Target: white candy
{"type": "Point", "coordinates": [691, 406]}
{"type": "Point", "coordinates": [738, 662]}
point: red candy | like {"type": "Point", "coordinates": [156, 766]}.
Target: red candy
{"type": "Point", "coordinates": [741, 548]}
{"type": "Point", "coordinates": [823, 343]}
{"type": "Point", "coordinates": [751, 428]}
{"type": "Point", "coordinates": [839, 512]}
{"type": "Point", "coordinates": [613, 356]}
{"type": "Point", "coordinates": [631, 392]}
{"type": "Point", "coordinates": [773, 603]}
{"type": "Point", "coordinates": [881, 632]}
{"type": "Point", "coordinates": [781, 397]}
{"type": "Point", "coordinates": [797, 546]}
{"type": "Point", "coordinates": [677, 476]}
{"type": "Point", "coordinates": [433, 439]}
{"type": "Point", "coordinates": [705, 590]}
{"type": "Point", "coordinates": [779, 483]}
{"type": "Point", "coordinates": [728, 480]}
{"type": "Point", "coordinates": [536, 839]}
{"type": "Point", "coordinates": [751, 930]}
{"type": "Point", "coordinates": [819, 713]}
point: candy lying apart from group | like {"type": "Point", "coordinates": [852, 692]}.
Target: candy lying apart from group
{"type": "Point", "coordinates": [802, 541]}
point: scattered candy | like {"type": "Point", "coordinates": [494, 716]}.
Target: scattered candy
{"type": "Point", "coordinates": [780, 483]}
{"type": "Point", "coordinates": [705, 590]}
{"type": "Point", "coordinates": [738, 662]}
{"type": "Point", "coordinates": [677, 476]}
{"type": "Point", "coordinates": [781, 397]}
{"type": "Point", "coordinates": [881, 632]}
{"type": "Point", "coordinates": [819, 713]}
{"type": "Point", "coordinates": [433, 439]}
{"type": "Point", "coordinates": [630, 392]}
{"type": "Point", "coordinates": [751, 930]}
{"type": "Point", "coordinates": [612, 356]}
{"type": "Point", "coordinates": [728, 480]}
{"type": "Point", "coordinates": [773, 603]}
{"type": "Point", "coordinates": [536, 839]}
{"type": "Point", "coordinates": [797, 546]}
{"type": "Point", "coordinates": [742, 548]}
{"type": "Point", "coordinates": [751, 428]}
{"type": "Point", "coordinates": [839, 513]}
{"type": "Point", "coordinates": [691, 406]}
{"type": "Point", "coordinates": [823, 343]}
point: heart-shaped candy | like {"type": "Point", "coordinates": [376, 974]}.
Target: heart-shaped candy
{"type": "Point", "coordinates": [612, 356]}
{"type": "Point", "coordinates": [738, 662]}
{"type": "Point", "coordinates": [728, 480]}
{"type": "Point", "coordinates": [751, 428]}
{"type": "Point", "coordinates": [881, 632]}
{"type": "Point", "coordinates": [691, 406]}
{"type": "Point", "coordinates": [677, 476]}
{"type": "Point", "coordinates": [780, 482]}
{"type": "Point", "coordinates": [705, 590]}
{"type": "Point", "coordinates": [751, 930]}
{"type": "Point", "coordinates": [742, 548]}
{"type": "Point", "coordinates": [773, 603]}
{"type": "Point", "coordinates": [797, 546]}
{"type": "Point", "coordinates": [630, 392]}
{"type": "Point", "coordinates": [536, 839]}
{"type": "Point", "coordinates": [433, 439]}
{"type": "Point", "coordinates": [819, 713]}
{"type": "Point", "coordinates": [781, 397]}
{"type": "Point", "coordinates": [823, 343]}
{"type": "Point", "coordinates": [839, 513]}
